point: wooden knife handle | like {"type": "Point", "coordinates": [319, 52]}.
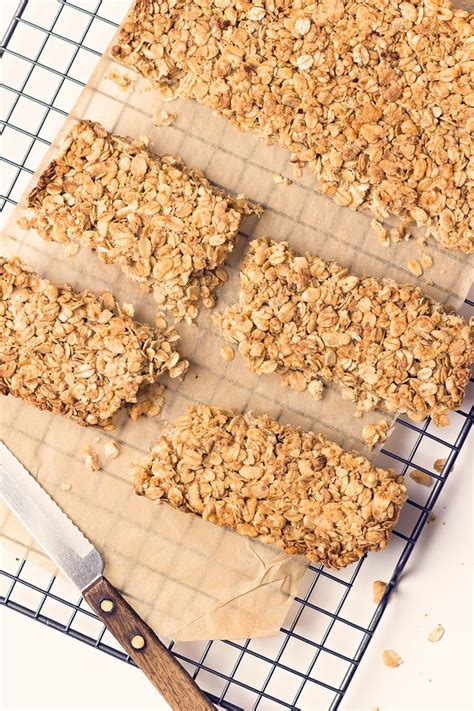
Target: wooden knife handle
{"type": "Point", "coordinates": [141, 643]}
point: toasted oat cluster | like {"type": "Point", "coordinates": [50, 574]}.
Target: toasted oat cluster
{"type": "Point", "coordinates": [273, 482]}
{"type": "Point", "coordinates": [385, 345]}
{"type": "Point", "coordinates": [164, 224]}
{"type": "Point", "coordinates": [75, 353]}
{"type": "Point", "coordinates": [376, 96]}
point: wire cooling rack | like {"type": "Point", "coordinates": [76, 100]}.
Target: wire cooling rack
{"type": "Point", "coordinates": [48, 52]}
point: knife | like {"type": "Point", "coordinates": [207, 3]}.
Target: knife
{"type": "Point", "coordinates": [83, 565]}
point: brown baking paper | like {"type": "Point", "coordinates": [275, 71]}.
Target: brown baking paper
{"type": "Point", "coordinates": [189, 579]}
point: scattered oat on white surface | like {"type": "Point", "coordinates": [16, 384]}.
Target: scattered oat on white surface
{"type": "Point", "coordinates": [436, 634]}
{"type": "Point", "coordinates": [378, 590]}
{"type": "Point", "coordinates": [421, 477]}
{"type": "Point", "coordinates": [391, 658]}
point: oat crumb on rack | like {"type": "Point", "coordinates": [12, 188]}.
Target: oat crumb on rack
{"type": "Point", "coordinates": [439, 465]}
{"type": "Point", "coordinates": [378, 590]}
{"type": "Point", "coordinates": [436, 634]}
{"type": "Point", "coordinates": [122, 80]}
{"type": "Point", "coordinates": [381, 232]}
{"type": "Point", "coordinates": [421, 477]}
{"type": "Point", "coordinates": [91, 459]}
{"type": "Point", "coordinates": [415, 267]}
{"type": "Point", "coordinates": [281, 179]}
{"type": "Point", "coordinates": [24, 223]}
{"type": "Point", "coordinates": [71, 249]}
{"type": "Point", "coordinates": [391, 658]}
{"type": "Point", "coordinates": [227, 353]}
{"type": "Point", "coordinates": [315, 389]}
{"type": "Point", "coordinates": [164, 118]}
{"type": "Point", "coordinates": [431, 517]}
{"type": "Point", "coordinates": [426, 261]}
{"type": "Point", "coordinates": [111, 451]}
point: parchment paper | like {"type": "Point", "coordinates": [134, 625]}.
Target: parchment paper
{"type": "Point", "coordinates": [189, 579]}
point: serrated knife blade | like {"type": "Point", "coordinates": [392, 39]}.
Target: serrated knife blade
{"type": "Point", "coordinates": [82, 563]}
{"type": "Point", "coordinates": [47, 523]}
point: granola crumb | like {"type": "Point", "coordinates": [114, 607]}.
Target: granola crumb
{"type": "Point", "coordinates": [439, 465]}
{"type": "Point", "coordinates": [111, 450]}
{"type": "Point", "coordinates": [65, 486]}
{"type": "Point", "coordinates": [91, 459]}
{"type": "Point", "coordinates": [81, 327]}
{"type": "Point", "coordinates": [436, 634]}
{"type": "Point", "coordinates": [375, 433]}
{"type": "Point", "coordinates": [315, 388]}
{"type": "Point", "coordinates": [179, 278]}
{"type": "Point", "coordinates": [281, 179]}
{"type": "Point", "coordinates": [308, 300]}
{"type": "Point", "coordinates": [227, 353]}
{"type": "Point", "coordinates": [160, 321]}
{"type": "Point", "coordinates": [431, 517]}
{"type": "Point", "coordinates": [391, 658]}
{"type": "Point", "coordinates": [71, 249]}
{"type": "Point", "coordinates": [164, 118]}
{"type": "Point", "coordinates": [415, 267]}
{"type": "Point", "coordinates": [381, 232]}
{"type": "Point", "coordinates": [23, 223]}
{"type": "Point", "coordinates": [150, 403]}
{"type": "Point", "coordinates": [426, 261]}
{"type": "Point", "coordinates": [378, 589]}
{"type": "Point", "coordinates": [128, 310]}
{"type": "Point", "coordinates": [421, 477]}
{"type": "Point", "coordinates": [121, 79]}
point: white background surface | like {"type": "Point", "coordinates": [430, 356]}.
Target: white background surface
{"type": "Point", "coordinates": [43, 669]}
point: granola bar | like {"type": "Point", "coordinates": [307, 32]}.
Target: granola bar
{"type": "Point", "coordinates": [386, 345]}
{"type": "Point", "coordinates": [376, 97]}
{"type": "Point", "coordinates": [75, 353]}
{"type": "Point", "coordinates": [164, 224]}
{"type": "Point", "coordinates": [275, 483]}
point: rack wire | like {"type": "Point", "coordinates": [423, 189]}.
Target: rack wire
{"type": "Point", "coordinates": [315, 656]}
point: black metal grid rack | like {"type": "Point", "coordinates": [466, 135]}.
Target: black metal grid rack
{"type": "Point", "coordinates": [92, 23]}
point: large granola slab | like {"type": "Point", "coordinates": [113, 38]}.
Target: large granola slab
{"type": "Point", "coordinates": [275, 483]}
{"type": "Point", "coordinates": [376, 97]}
{"type": "Point", "coordinates": [386, 345]}
{"type": "Point", "coordinates": [166, 226]}
{"type": "Point", "coordinates": [75, 353]}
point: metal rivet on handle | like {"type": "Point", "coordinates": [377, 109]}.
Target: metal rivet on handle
{"type": "Point", "coordinates": [137, 642]}
{"type": "Point", "coordinates": [106, 605]}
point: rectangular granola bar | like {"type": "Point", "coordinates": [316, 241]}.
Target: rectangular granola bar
{"type": "Point", "coordinates": [163, 223]}
{"type": "Point", "coordinates": [376, 97]}
{"type": "Point", "coordinates": [75, 353]}
{"type": "Point", "coordinates": [386, 345]}
{"type": "Point", "coordinates": [273, 482]}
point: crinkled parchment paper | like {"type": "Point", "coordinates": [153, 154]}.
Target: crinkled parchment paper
{"type": "Point", "coordinates": [189, 579]}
